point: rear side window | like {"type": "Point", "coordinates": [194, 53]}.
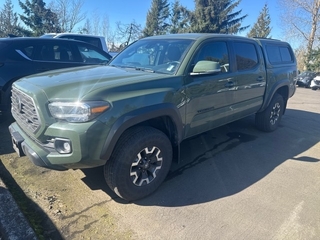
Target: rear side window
{"type": "Point", "coordinates": [21, 52]}
{"type": "Point", "coordinates": [246, 56]}
{"type": "Point", "coordinates": [28, 51]}
{"type": "Point", "coordinates": [279, 54]}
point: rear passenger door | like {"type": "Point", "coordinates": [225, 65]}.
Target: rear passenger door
{"type": "Point", "coordinates": [250, 78]}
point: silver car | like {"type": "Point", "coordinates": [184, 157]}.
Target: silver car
{"type": "Point", "coordinates": [315, 83]}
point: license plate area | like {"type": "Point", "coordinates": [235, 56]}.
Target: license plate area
{"type": "Point", "coordinates": [17, 139]}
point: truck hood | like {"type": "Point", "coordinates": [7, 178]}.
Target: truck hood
{"type": "Point", "coordinates": [79, 82]}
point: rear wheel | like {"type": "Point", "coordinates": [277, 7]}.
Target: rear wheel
{"type": "Point", "coordinates": [139, 164]}
{"type": "Point", "coordinates": [269, 119]}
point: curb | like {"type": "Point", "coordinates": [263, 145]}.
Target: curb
{"type": "Point", "coordinates": [13, 224]}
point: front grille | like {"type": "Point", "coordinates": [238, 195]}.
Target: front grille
{"type": "Point", "coordinates": [24, 111]}
{"type": "Point", "coordinates": [317, 82]}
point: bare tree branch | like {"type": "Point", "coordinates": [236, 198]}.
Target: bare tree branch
{"type": "Point", "coordinates": [69, 13]}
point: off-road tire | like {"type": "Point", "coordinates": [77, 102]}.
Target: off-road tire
{"type": "Point", "coordinates": [269, 119]}
{"type": "Point", "coordinates": [131, 179]}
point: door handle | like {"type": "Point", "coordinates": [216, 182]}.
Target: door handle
{"type": "Point", "coordinates": [229, 84]}
{"type": "Point", "coordinates": [260, 79]}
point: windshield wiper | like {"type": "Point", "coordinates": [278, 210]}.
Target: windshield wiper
{"type": "Point", "coordinates": [135, 68]}
{"type": "Point", "coordinates": [144, 69]}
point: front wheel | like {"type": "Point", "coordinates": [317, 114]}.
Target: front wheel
{"type": "Point", "coordinates": [269, 119]}
{"type": "Point", "coordinates": [139, 164]}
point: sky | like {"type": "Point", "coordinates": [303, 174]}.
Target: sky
{"type": "Point", "coordinates": [126, 11]}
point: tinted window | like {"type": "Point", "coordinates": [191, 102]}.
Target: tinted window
{"type": "Point", "coordinates": [55, 52]}
{"type": "Point", "coordinates": [246, 56]}
{"type": "Point", "coordinates": [26, 52]}
{"type": "Point", "coordinates": [216, 52]}
{"type": "Point", "coordinates": [273, 54]}
{"type": "Point", "coordinates": [277, 54]}
{"type": "Point", "coordinates": [21, 52]}
{"type": "Point", "coordinates": [285, 54]}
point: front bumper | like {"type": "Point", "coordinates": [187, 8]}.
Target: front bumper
{"type": "Point", "coordinates": [83, 155]}
{"type": "Point", "coordinates": [36, 154]}
{"type": "Point", "coordinates": [303, 82]}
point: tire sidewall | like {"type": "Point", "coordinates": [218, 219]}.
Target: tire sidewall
{"type": "Point", "coordinates": [124, 186]}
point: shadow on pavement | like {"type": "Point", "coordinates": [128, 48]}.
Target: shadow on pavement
{"type": "Point", "coordinates": [227, 160]}
{"type": "Point", "coordinates": [38, 219]}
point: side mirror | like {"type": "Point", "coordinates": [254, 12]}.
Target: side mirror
{"type": "Point", "coordinates": [206, 67]}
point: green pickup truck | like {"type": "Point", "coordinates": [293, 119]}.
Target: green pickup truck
{"type": "Point", "coordinates": [131, 115]}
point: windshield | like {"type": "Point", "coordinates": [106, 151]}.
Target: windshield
{"type": "Point", "coordinates": [305, 74]}
{"type": "Point", "coordinates": [153, 55]}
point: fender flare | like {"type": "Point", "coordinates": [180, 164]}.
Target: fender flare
{"type": "Point", "coordinates": [137, 116]}
{"type": "Point", "coordinates": [276, 86]}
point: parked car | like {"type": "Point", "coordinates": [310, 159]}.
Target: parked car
{"type": "Point", "coordinates": [22, 56]}
{"type": "Point", "coordinates": [315, 83]}
{"type": "Point", "coordinates": [304, 79]}
{"type": "Point", "coordinates": [98, 41]}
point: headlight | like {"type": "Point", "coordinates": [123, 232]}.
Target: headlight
{"type": "Point", "coordinates": [77, 111]}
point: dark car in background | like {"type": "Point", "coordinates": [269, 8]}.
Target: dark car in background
{"type": "Point", "coordinates": [304, 79]}
{"type": "Point", "coordinates": [98, 41]}
{"type": "Point", "coordinates": [24, 56]}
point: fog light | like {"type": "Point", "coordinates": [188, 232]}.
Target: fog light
{"type": "Point", "coordinates": [63, 145]}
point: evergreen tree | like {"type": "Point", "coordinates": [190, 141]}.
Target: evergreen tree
{"type": "Point", "coordinates": [217, 16]}
{"type": "Point", "coordinates": [157, 18]}
{"type": "Point", "coordinates": [9, 21]}
{"type": "Point", "coordinates": [180, 18]}
{"type": "Point", "coordinates": [312, 60]}
{"type": "Point", "coordinates": [262, 27]}
{"type": "Point", "coordinates": [39, 18]}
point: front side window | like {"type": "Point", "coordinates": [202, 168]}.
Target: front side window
{"type": "Point", "coordinates": [246, 56]}
{"type": "Point", "coordinates": [215, 52]}
{"type": "Point", "coordinates": [90, 55]}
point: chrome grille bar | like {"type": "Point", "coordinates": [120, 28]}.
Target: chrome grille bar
{"type": "Point", "coordinates": [24, 111]}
